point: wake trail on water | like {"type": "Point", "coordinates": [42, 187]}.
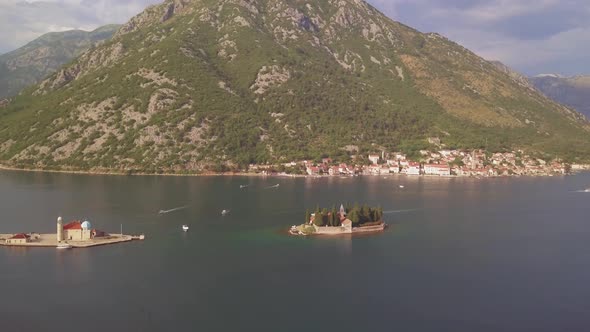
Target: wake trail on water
{"type": "Point", "coordinates": [271, 187]}
{"type": "Point", "coordinates": [173, 210]}
{"type": "Point", "coordinates": [400, 211]}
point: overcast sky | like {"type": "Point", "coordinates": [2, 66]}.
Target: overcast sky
{"type": "Point", "coordinates": [532, 36]}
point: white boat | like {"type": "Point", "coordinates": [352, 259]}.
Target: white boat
{"type": "Point", "coordinates": [64, 246]}
{"type": "Point", "coordinates": [402, 186]}
{"type": "Point", "coordinates": [142, 237]}
{"type": "Point", "coordinates": [224, 212]}
{"type": "Point", "coordinates": [185, 228]}
{"type": "Point", "coordinates": [243, 186]}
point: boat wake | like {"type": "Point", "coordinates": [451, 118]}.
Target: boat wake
{"type": "Point", "coordinates": [275, 186]}
{"type": "Point", "coordinates": [173, 210]}
{"type": "Point", "coordinates": [400, 211]}
{"type": "Point", "coordinates": [582, 191]}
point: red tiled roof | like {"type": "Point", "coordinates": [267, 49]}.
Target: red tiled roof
{"type": "Point", "coordinates": [20, 236]}
{"type": "Point", "coordinates": [73, 225]}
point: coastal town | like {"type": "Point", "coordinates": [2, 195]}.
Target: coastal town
{"type": "Point", "coordinates": [441, 163]}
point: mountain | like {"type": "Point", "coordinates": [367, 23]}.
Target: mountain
{"type": "Point", "coordinates": [192, 84]}
{"type": "Point", "coordinates": [45, 55]}
{"type": "Point", "coordinates": [571, 91]}
{"type": "Point", "coordinates": [516, 76]}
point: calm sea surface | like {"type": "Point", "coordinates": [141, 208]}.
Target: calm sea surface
{"type": "Point", "coordinates": [460, 255]}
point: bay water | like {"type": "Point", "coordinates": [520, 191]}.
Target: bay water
{"type": "Point", "coordinates": [506, 254]}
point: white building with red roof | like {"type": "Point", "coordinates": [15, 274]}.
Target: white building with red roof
{"type": "Point", "coordinates": [76, 231]}
{"type": "Point", "coordinates": [18, 239]}
{"type": "Point", "coordinates": [437, 169]}
{"type": "Point", "coordinates": [412, 169]}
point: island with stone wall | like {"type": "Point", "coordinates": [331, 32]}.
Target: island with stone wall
{"type": "Point", "coordinates": [351, 220]}
{"type": "Point", "coordinates": [76, 234]}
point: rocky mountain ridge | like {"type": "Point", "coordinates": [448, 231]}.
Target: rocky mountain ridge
{"type": "Point", "coordinates": [45, 55]}
{"type": "Point", "coordinates": [572, 91]}
{"type": "Point", "coordinates": [193, 83]}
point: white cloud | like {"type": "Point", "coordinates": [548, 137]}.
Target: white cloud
{"type": "Point", "coordinates": [23, 21]}
{"type": "Point", "coordinates": [480, 25]}
{"type": "Point", "coordinates": [531, 36]}
{"type": "Point", "coordinates": [495, 10]}
{"type": "Point", "coordinates": [555, 53]}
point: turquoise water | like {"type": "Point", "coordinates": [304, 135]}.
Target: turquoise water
{"type": "Point", "coordinates": [460, 255]}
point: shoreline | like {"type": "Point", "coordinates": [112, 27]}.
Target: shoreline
{"type": "Point", "coordinates": [49, 241]}
{"type": "Point", "coordinates": [115, 173]}
{"type": "Point", "coordinates": [275, 175]}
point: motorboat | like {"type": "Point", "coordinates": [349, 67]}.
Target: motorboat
{"type": "Point", "coordinates": [243, 186]}
{"type": "Point", "coordinates": [224, 212]}
{"type": "Point", "coordinates": [402, 186]}
{"type": "Point", "coordinates": [185, 228]}
{"type": "Point", "coordinates": [64, 246]}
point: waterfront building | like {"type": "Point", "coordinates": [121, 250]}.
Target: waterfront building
{"type": "Point", "coordinates": [412, 169]}
{"type": "Point", "coordinates": [74, 231]}
{"type": "Point", "coordinates": [394, 169]}
{"type": "Point", "coordinates": [313, 170]}
{"type": "Point", "coordinates": [19, 239]}
{"type": "Point", "coordinates": [374, 158]}
{"type": "Point", "coordinates": [337, 170]}
{"type": "Point", "coordinates": [437, 169]}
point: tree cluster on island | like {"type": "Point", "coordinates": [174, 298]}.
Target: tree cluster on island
{"type": "Point", "coordinates": [359, 215]}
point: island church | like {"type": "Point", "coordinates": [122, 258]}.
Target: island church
{"type": "Point", "coordinates": [76, 231]}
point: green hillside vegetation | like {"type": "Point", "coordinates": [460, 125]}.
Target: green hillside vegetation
{"type": "Point", "coordinates": [45, 55]}
{"type": "Point", "coordinates": [190, 86]}
{"type": "Point", "coordinates": [359, 215]}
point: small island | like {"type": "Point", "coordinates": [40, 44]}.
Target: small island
{"type": "Point", "coordinates": [76, 234]}
{"type": "Point", "coordinates": [350, 220]}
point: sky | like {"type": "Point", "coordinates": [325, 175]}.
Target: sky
{"type": "Point", "coordinates": [531, 36]}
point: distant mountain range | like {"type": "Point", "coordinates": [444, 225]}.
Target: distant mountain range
{"type": "Point", "coordinates": [44, 56]}
{"type": "Point", "coordinates": [571, 91]}
{"type": "Point", "coordinates": [190, 84]}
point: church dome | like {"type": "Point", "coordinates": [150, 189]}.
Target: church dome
{"type": "Point", "coordinates": [86, 225]}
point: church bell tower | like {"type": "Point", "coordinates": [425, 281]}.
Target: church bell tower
{"type": "Point", "coordinates": [60, 230]}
